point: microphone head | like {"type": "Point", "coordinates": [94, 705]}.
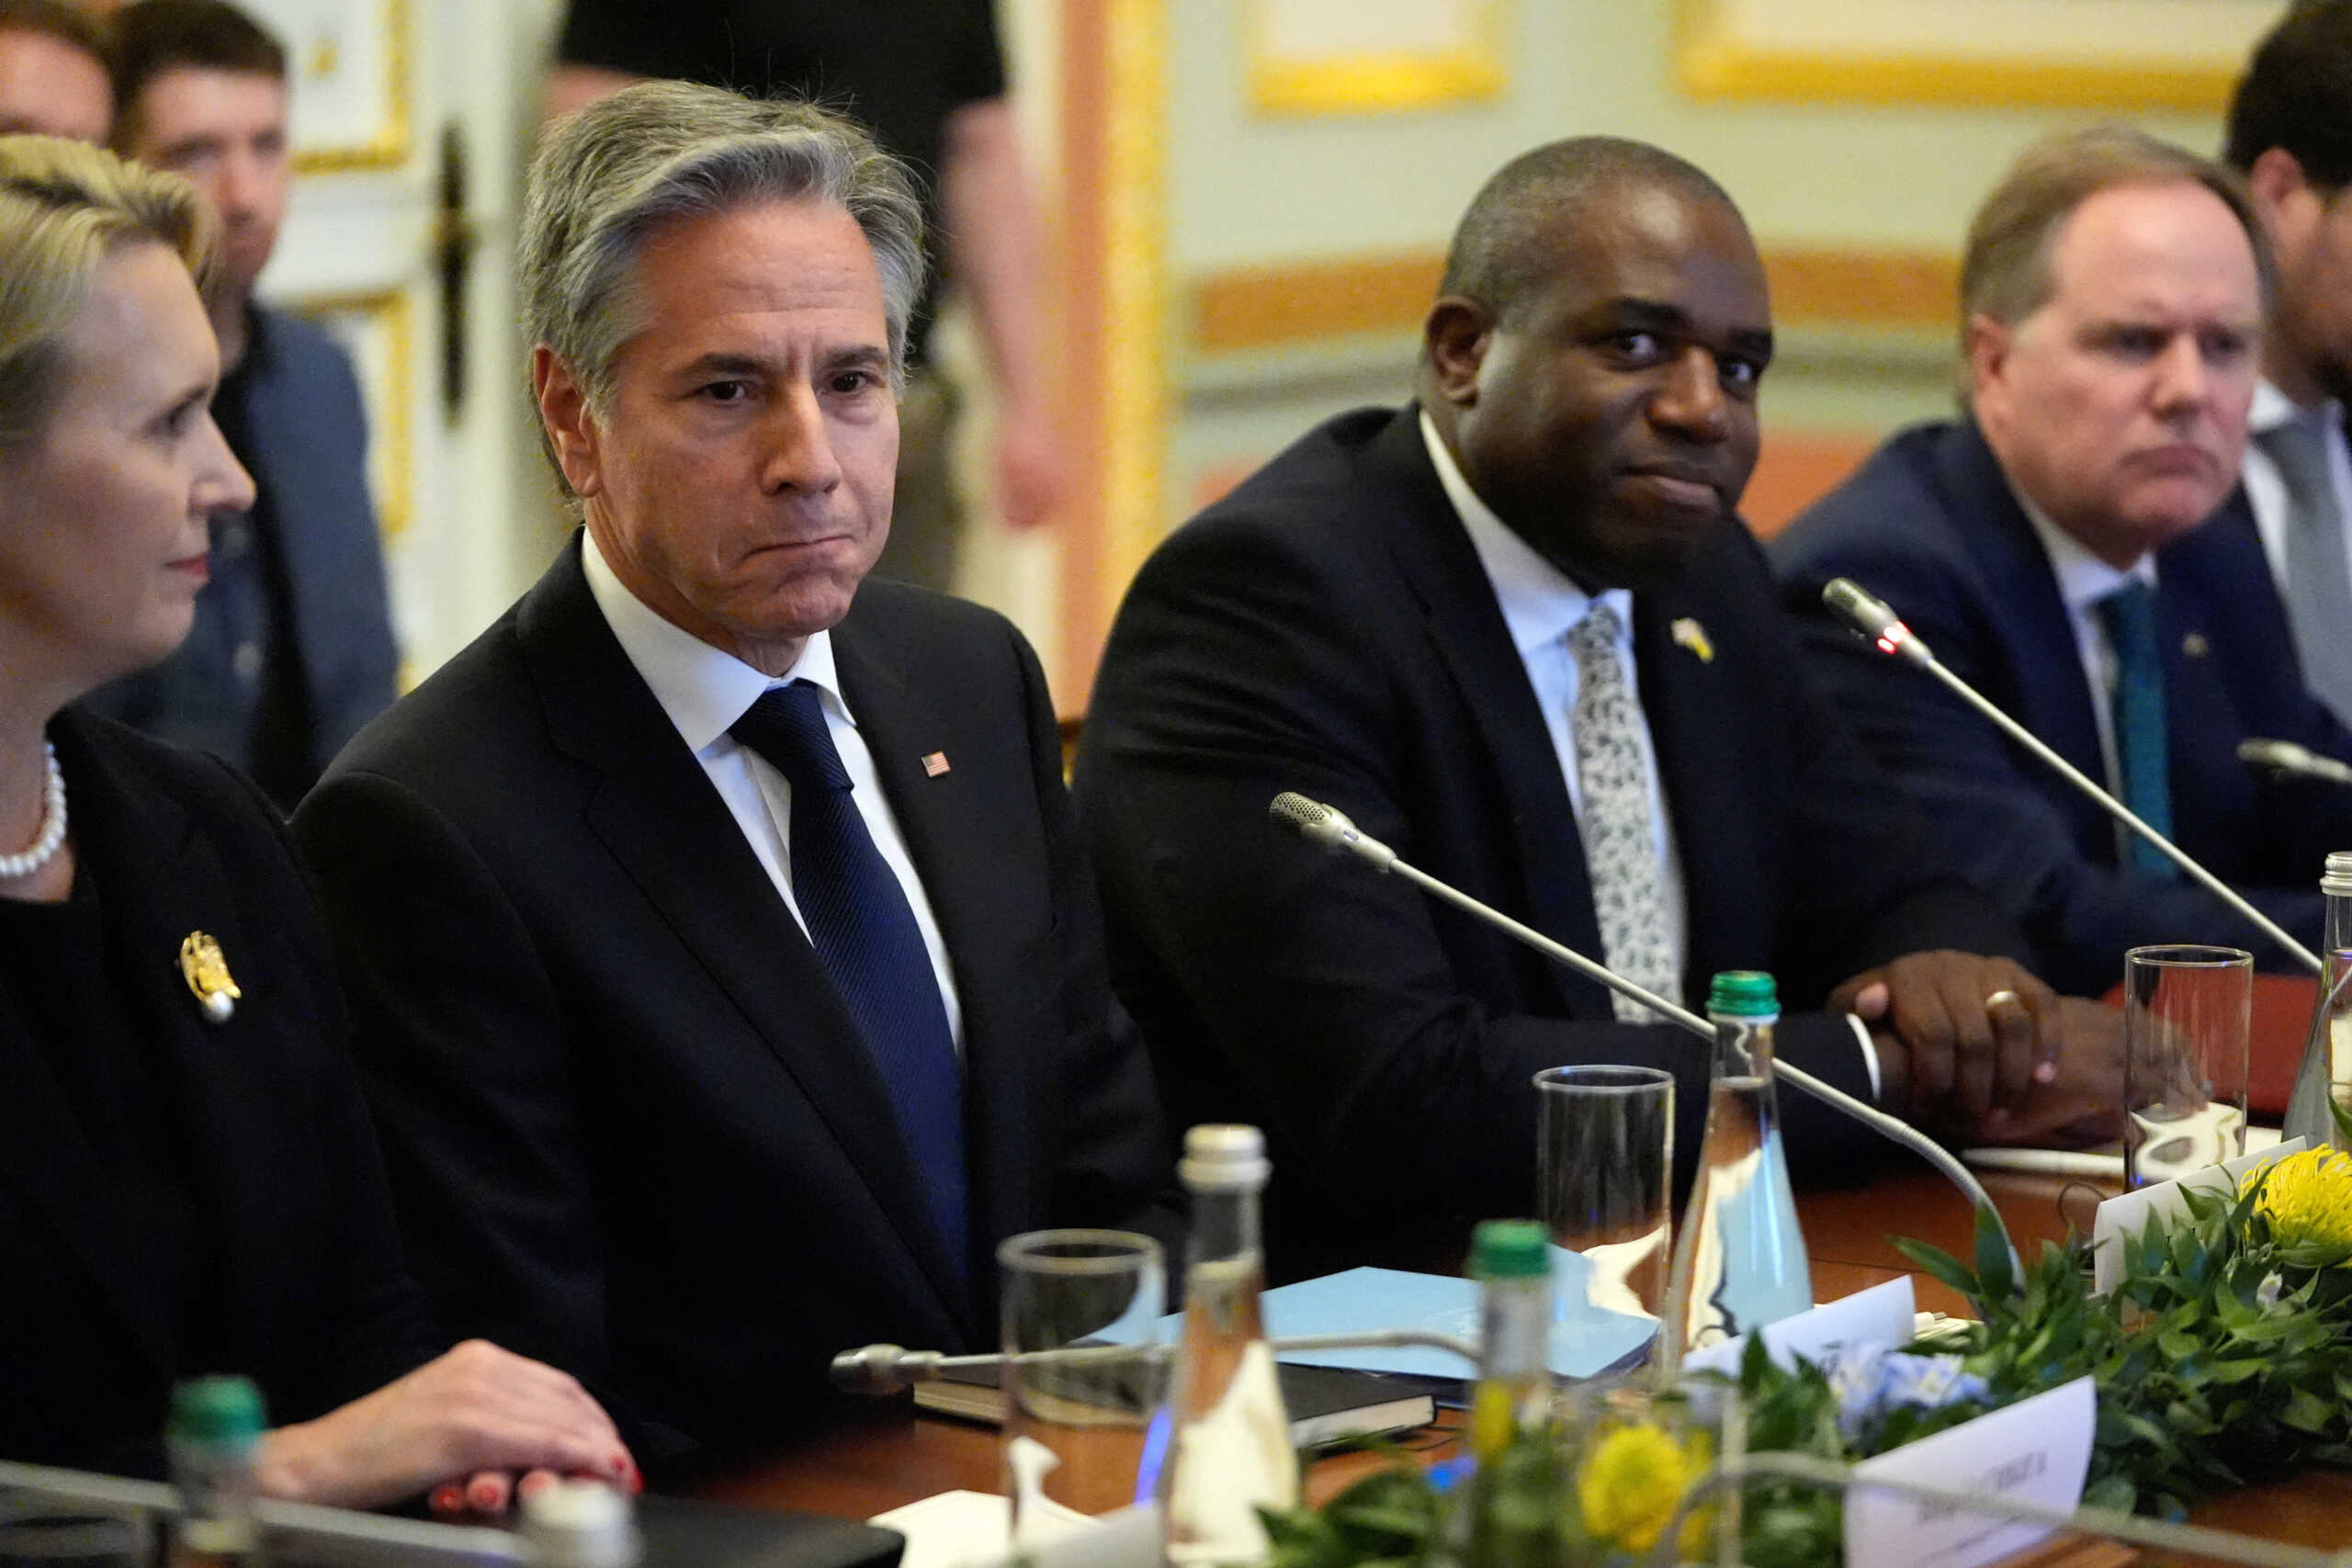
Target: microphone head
{"type": "Point", "coordinates": [1328, 826]}
{"type": "Point", "coordinates": [1310, 819]}
{"type": "Point", "coordinates": [879, 1368]}
{"type": "Point", "coordinates": [1870, 618]}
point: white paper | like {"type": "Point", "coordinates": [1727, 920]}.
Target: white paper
{"type": "Point", "coordinates": [1884, 1314]}
{"type": "Point", "coordinates": [2037, 1451]}
{"type": "Point", "coordinates": [2128, 1215]}
{"type": "Point", "coordinates": [968, 1529]}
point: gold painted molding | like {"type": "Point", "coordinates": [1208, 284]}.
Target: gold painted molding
{"type": "Point", "coordinates": [1712, 62]}
{"type": "Point", "coordinates": [1469, 68]}
{"type": "Point", "coordinates": [1315, 300]}
{"type": "Point", "coordinates": [389, 147]}
{"type": "Point", "coordinates": [1135, 250]}
{"type": "Point", "coordinates": [392, 311]}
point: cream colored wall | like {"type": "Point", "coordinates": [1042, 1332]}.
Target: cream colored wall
{"type": "Point", "coordinates": [1247, 190]}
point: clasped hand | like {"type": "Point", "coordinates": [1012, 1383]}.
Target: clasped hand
{"type": "Point", "coordinates": [1975, 1049]}
{"type": "Point", "coordinates": [474, 1418]}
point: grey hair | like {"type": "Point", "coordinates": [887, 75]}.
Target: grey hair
{"type": "Point", "coordinates": [606, 177]}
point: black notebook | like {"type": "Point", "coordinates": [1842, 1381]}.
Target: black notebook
{"type": "Point", "coordinates": [1327, 1405]}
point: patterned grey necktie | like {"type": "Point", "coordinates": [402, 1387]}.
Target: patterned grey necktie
{"type": "Point", "coordinates": [2318, 575]}
{"type": "Point", "coordinates": [1620, 840]}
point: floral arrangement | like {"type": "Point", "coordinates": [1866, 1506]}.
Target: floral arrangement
{"type": "Point", "coordinates": [2223, 1355]}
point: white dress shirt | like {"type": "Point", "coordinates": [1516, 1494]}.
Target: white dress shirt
{"type": "Point", "coordinates": [2266, 487]}
{"type": "Point", "coordinates": [1541, 604]}
{"type": "Point", "coordinates": [705, 691]}
{"type": "Point", "coordinates": [2083, 580]}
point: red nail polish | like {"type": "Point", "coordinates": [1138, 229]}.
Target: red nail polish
{"type": "Point", "coordinates": [447, 1500]}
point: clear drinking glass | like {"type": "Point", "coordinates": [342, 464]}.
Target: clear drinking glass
{"type": "Point", "coordinates": [1604, 1162]}
{"type": "Point", "coordinates": [2186, 1014]}
{"type": "Point", "coordinates": [1085, 1377]}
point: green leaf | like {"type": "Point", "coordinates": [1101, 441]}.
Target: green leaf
{"type": "Point", "coordinates": [1994, 1270]}
{"type": "Point", "coordinates": [1940, 1264]}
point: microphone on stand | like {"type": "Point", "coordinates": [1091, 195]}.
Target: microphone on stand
{"type": "Point", "coordinates": [2298, 761]}
{"type": "Point", "coordinates": [1870, 618]}
{"type": "Point", "coordinates": [1330, 827]}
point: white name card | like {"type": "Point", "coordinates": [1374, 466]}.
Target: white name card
{"type": "Point", "coordinates": [2128, 1215]}
{"type": "Point", "coordinates": [2037, 1451]}
{"type": "Point", "coordinates": [1884, 1314]}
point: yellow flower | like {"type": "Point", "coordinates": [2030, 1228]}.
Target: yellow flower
{"type": "Point", "coordinates": [1628, 1488]}
{"type": "Point", "coordinates": [2307, 1198]}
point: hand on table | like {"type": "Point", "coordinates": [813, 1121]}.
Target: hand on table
{"type": "Point", "coordinates": [1961, 1036]}
{"type": "Point", "coordinates": [478, 1416]}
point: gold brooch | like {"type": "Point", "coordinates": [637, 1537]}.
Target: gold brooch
{"type": "Point", "coordinates": [1689, 634]}
{"type": "Point", "coordinates": [207, 973]}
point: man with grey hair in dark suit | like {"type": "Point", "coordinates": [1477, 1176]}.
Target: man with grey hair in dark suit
{"type": "Point", "coordinates": [728, 980]}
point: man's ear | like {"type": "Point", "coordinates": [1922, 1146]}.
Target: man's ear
{"type": "Point", "coordinates": [1455, 340]}
{"type": "Point", "coordinates": [1988, 354]}
{"type": "Point", "coordinates": [570, 423]}
{"type": "Point", "coordinates": [2274, 178]}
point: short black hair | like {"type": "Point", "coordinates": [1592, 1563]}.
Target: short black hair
{"type": "Point", "coordinates": [60, 19]}
{"type": "Point", "coordinates": [1505, 246]}
{"type": "Point", "coordinates": [151, 37]}
{"type": "Point", "coordinates": [2297, 94]}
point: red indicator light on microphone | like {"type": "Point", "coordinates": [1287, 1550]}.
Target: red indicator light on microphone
{"type": "Point", "coordinates": [1894, 637]}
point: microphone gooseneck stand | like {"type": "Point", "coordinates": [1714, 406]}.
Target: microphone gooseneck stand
{"type": "Point", "coordinates": [1869, 618]}
{"type": "Point", "coordinates": [1323, 825]}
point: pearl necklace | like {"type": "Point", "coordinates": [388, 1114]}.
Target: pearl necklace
{"type": "Point", "coordinates": [52, 826]}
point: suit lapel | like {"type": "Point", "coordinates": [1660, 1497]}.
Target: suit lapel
{"type": "Point", "coordinates": [1466, 626]}
{"type": "Point", "coordinates": [159, 878]}
{"type": "Point", "coordinates": [1701, 779]}
{"type": "Point", "coordinates": [655, 811]}
{"type": "Point", "coordinates": [953, 838]}
{"type": "Point", "coordinates": [2038, 637]}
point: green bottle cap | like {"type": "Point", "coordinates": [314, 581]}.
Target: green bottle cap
{"type": "Point", "coordinates": [1508, 1249]}
{"type": "Point", "coordinates": [217, 1410]}
{"type": "Point", "coordinates": [1744, 993]}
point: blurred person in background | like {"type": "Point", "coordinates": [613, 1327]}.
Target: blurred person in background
{"type": "Point", "coordinates": [189, 1182]}
{"type": "Point", "coordinates": [292, 649]}
{"type": "Point", "coordinates": [2290, 136]}
{"type": "Point", "coordinates": [52, 70]}
{"type": "Point", "coordinates": [927, 77]}
{"type": "Point", "coordinates": [2077, 547]}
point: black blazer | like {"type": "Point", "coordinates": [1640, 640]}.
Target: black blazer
{"type": "Point", "coordinates": [1328, 628]}
{"type": "Point", "coordinates": [302, 1249]}
{"type": "Point", "coordinates": [1930, 526]}
{"type": "Point", "coordinates": [630, 1128]}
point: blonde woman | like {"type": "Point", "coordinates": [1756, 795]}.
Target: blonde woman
{"type": "Point", "coordinates": [187, 1179]}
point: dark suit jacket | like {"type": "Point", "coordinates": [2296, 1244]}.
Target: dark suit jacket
{"type": "Point", "coordinates": [1328, 628]}
{"type": "Point", "coordinates": [299, 1231]}
{"type": "Point", "coordinates": [306, 444]}
{"type": "Point", "coordinates": [1930, 526]}
{"type": "Point", "coordinates": [630, 1127]}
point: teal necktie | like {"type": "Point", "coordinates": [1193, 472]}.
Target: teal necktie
{"type": "Point", "coordinates": [2129, 614]}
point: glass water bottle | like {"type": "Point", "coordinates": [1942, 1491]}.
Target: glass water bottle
{"type": "Point", "coordinates": [1749, 1264]}
{"type": "Point", "coordinates": [1231, 1452]}
{"type": "Point", "coordinates": [2327, 1073]}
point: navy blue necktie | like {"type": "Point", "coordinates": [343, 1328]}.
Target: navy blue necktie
{"type": "Point", "coordinates": [2130, 616]}
{"type": "Point", "coordinates": [863, 930]}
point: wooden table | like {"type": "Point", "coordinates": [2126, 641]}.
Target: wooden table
{"type": "Point", "coordinates": [891, 1457]}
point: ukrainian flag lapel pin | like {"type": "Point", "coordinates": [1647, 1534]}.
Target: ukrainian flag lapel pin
{"type": "Point", "coordinates": [1689, 634]}
{"type": "Point", "coordinates": [206, 970]}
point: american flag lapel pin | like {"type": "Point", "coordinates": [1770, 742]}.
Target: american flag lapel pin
{"type": "Point", "coordinates": [934, 763]}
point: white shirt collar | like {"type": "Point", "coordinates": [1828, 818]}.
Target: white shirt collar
{"type": "Point", "coordinates": [1541, 603]}
{"type": "Point", "coordinates": [702, 689]}
{"type": "Point", "coordinates": [2273, 408]}
{"type": "Point", "coordinates": [2083, 578]}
